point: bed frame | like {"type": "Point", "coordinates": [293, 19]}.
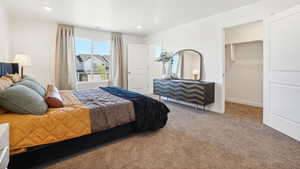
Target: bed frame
{"type": "Point", "coordinates": [47, 154]}
{"type": "Point", "coordinates": [39, 155]}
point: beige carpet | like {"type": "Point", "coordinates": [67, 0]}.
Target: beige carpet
{"type": "Point", "coordinates": [194, 140]}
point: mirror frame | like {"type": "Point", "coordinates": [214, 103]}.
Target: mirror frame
{"type": "Point", "coordinates": [201, 62]}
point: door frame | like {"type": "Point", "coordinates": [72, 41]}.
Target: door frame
{"type": "Point", "coordinates": [224, 56]}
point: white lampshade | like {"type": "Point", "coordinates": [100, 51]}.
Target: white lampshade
{"type": "Point", "coordinates": [195, 72]}
{"type": "Point", "coordinates": [23, 60]}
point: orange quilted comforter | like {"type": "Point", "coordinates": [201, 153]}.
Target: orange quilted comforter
{"type": "Point", "coordinates": [56, 125]}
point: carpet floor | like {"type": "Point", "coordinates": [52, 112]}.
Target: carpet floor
{"type": "Point", "coordinates": [193, 140]}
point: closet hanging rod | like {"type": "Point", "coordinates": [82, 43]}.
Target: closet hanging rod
{"type": "Point", "coordinates": [243, 42]}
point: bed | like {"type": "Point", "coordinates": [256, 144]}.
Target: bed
{"type": "Point", "coordinates": [85, 112]}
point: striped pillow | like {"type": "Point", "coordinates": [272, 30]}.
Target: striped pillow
{"type": "Point", "coordinates": [5, 82]}
{"type": "Point", "coordinates": [14, 77]}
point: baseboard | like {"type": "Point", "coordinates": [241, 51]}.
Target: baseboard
{"type": "Point", "coordinates": [240, 101]}
{"type": "Point", "coordinates": [284, 126]}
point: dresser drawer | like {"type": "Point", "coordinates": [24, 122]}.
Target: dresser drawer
{"type": "Point", "coordinates": [191, 91]}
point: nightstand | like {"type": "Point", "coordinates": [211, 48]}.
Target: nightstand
{"type": "Point", "coordinates": [4, 145]}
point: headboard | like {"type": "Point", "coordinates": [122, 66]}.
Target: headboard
{"type": "Point", "coordinates": [8, 68]}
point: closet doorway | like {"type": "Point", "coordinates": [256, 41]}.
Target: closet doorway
{"type": "Point", "coordinates": [244, 71]}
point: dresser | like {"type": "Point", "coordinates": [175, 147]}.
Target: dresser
{"type": "Point", "coordinates": [4, 145]}
{"type": "Point", "coordinates": [190, 91]}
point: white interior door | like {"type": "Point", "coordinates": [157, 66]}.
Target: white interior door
{"type": "Point", "coordinates": [282, 72]}
{"type": "Point", "coordinates": [138, 66]}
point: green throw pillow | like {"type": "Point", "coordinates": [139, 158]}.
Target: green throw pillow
{"type": "Point", "coordinates": [26, 77]}
{"type": "Point", "coordinates": [34, 86]}
{"type": "Point", "coordinates": [23, 100]}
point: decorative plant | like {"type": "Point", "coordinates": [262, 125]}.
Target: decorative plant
{"type": "Point", "coordinates": [164, 58]}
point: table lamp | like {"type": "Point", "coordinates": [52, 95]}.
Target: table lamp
{"type": "Point", "coordinates": [195, 74]}
{"type": "Point", "coordinates": [23, 60]}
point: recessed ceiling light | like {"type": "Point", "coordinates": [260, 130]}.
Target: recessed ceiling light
{"type": "Point", "coordinates": [47, 8]}
{"type": "Point", "coordinates": [139, 27]}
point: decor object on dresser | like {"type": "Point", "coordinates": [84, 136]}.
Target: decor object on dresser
{"type": "Point", "coordinates": [23, 60]}
{"type": "Point", "coordinates": [186, 82]}
{"type": "Point", "coordinates": [164, 58]}
{"type": "Point", "coordinates": [195, 73]}
{"type": "Point", "coordinates": [4, 145]}
{"type": "Point", "coordinates": [187, 64]}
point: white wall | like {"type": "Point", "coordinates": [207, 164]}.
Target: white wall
{"type": "Point", "coordinates": [4, 34]}
{"type": "Point", "coordinates": [37, 38]}
{"type": "Point", "coordinates": [207, 36]}
{"type": "Point", "coordinates": [244, 76]}
{"type": "Point", "coordinates": [245, 33]}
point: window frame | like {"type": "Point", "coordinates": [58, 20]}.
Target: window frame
{"type": "Point", "coordinates": [93, 57]}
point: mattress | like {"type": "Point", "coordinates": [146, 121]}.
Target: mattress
{"type": "Point", "coordinates": [85, 112]}
{"type": "Point", "coordinates": [101, 111]}
{"type": "Point", "coordinates": [56, 125]}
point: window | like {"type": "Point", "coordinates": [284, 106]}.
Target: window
{"type": "Point", "coordinates": [93, 60]}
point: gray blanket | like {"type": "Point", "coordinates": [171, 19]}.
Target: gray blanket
{"type": "Point", "coordinates": [106, 110]}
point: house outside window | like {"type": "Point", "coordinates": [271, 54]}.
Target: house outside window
{"type": "Point", "coordinates": [93, 60]}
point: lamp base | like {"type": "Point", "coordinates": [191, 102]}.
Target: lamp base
{"type": "Point", "coordinates": [195, 77]}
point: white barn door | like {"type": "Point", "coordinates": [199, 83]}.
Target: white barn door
{"type": "Point", "coordinates": [282, 72]}
{"type": "Point", "coordinates": [138, 67]}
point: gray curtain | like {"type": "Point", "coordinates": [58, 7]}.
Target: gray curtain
{"type": "Point", "coordinates": [118, 68]}
{"type": "Point", "coordinates": [65, 70]}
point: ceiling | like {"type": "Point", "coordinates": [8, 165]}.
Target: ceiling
{"type": "Point", "coordinates": [122, 15]}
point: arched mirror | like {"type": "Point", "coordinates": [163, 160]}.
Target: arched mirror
{"type": "Point", "coordinates": [186, 64]}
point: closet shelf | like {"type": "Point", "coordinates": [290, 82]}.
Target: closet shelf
{"type": "Point", "coordinates": [243, 42]}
